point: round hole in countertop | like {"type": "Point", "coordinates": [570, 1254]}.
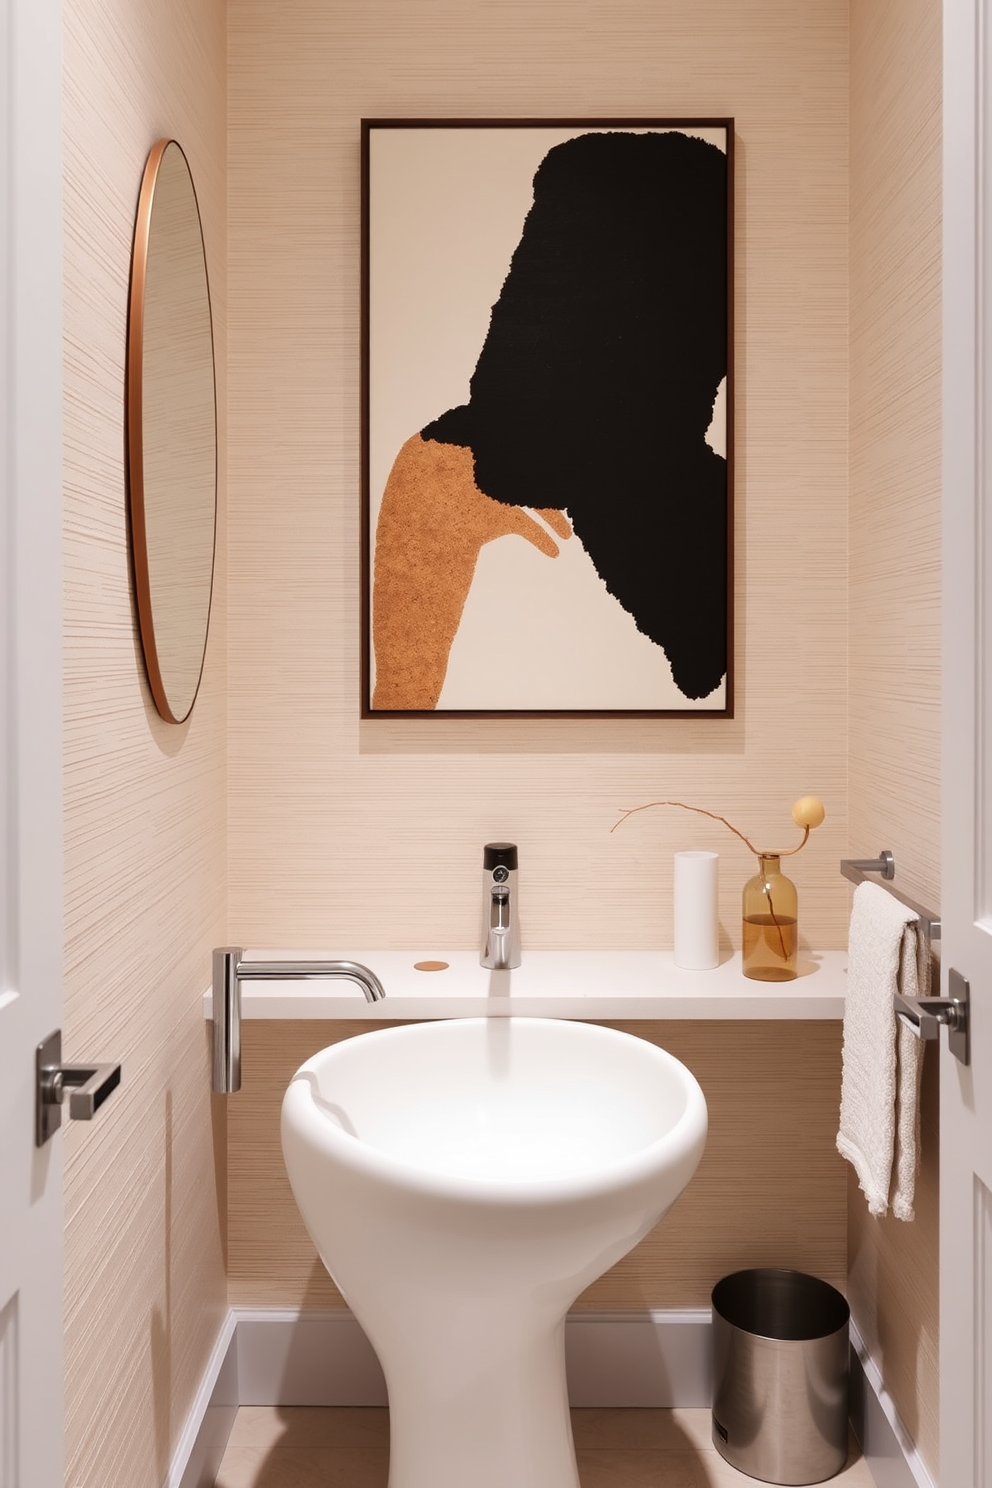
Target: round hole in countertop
{"type": "Point", "coordinates": [430, 966]}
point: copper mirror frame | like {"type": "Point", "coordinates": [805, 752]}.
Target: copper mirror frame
{"type": "Point", "coordinates": [171, 431]}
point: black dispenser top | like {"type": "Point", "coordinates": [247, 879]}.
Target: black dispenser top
{"type": "Point", "coordinates": [499, 854]}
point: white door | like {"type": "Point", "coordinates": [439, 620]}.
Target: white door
{"type": "Point", "coordinates": [966, 1091]}
{"type": "Point", "coordinates": [30, 735]}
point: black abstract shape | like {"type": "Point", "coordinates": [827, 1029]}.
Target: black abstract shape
{"type": "Point", "coordinates": [595, 386]}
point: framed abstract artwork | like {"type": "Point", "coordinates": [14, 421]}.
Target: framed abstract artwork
{"type": "Point", "coordinates": [547, 417]}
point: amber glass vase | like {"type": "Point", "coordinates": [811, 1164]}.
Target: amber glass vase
{"type": "Point", "coordinates": [771, 932]}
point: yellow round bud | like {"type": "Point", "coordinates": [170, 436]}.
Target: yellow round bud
{"type": "Point", "coordinates": [808, 812]}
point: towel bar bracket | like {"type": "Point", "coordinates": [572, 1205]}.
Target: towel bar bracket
{"type": "Point", "coordinates": [884, 865]}
{"type": "Point", "coordinates": [924, 1015]}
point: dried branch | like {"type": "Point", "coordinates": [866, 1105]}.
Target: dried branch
{"type": "Point", "coordinates": [714, 816]}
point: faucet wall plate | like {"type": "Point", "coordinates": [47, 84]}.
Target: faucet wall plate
{"type": "Point", "coordinates": [87, 1085]}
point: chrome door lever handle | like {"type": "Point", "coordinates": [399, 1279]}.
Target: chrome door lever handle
{"type": "Point", "coordinates": [918, 1015]}
{"type": "Point", "coordinates": [924, 1015]}
{"type": "Point", "coordinates": [87, 1086]}
{"type": "Point", "coordinates": [90, 1085]}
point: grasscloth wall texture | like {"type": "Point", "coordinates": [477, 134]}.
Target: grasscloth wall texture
{"type": "Point", "coordinates": [144, 801]}
{"type": "Point", "coordinates": [371, 833]}
{"type": "Point", "coordinates": [895, 597]}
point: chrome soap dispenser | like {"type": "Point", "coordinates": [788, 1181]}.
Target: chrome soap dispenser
{"type": "Point", "coordinates": [500, 922]}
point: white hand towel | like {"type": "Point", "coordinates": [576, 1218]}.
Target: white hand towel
{"type": "Point", "coordinates": [880, 1086]}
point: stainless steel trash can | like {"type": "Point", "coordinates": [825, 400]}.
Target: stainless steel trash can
{"type": "Point", "coordinates": [780, 1375]}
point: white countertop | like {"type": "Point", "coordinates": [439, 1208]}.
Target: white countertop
{"type": "Point", "coordinates": [602, 985]}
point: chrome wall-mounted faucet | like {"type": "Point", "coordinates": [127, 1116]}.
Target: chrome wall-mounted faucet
{"type": "Point", "coordinates": [500, 922]}
{"type": "Point", "coordinates": [230, 969]}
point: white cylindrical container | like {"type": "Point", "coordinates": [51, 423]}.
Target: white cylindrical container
{"type": "Point", "coordinates": [697, 932]}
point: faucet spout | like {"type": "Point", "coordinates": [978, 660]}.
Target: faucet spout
{"type": "Point", "coordinates": [499, 913]}
{"type": "Point", "coordinates": [499, 929]}
{"type": "Point", "coordinates": [230, 969]}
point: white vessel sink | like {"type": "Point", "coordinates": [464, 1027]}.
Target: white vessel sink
{"type": "Point", "coordinates": [464, 1181]}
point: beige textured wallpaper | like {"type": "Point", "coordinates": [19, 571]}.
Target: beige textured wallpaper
{"type": "Point", "coordinates": [371, 833]}
{"type": "Point", "coordinates": [895, 597]}
{"type": "Point", "coordinates": [144, 801]}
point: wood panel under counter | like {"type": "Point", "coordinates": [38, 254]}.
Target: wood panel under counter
{"type": "Point", "coordinates": [771, 1189]}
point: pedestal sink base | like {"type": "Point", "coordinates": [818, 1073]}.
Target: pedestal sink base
{"type": "Point", "coordinates": [478, 1410]}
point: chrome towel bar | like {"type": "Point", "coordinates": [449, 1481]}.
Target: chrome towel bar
{"type": "Point", "coordinates": [922, 1015]}
{"type": "Point", "coordinates": [857, 871]}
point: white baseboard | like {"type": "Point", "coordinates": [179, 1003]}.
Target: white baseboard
{"type": "Point", "coordinates": [888, 1447]}
{"type": "Point", "coordinates": [613, 1358]}
{"type": "Point", "coordinates": [197, 1458]}
{"type": "Point", "coordinates": [306, 1358]}
{"type": "Point", "coordinates": [270, 1356]}
{"type": "Point", "coordinates": [639, 1358]}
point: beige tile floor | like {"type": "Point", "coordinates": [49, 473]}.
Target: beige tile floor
{"type": "Point", "coordinates": [302, 1447]}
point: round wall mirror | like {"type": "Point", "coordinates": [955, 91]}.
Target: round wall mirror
{"type": "Point", "coordinates": [171, 431]}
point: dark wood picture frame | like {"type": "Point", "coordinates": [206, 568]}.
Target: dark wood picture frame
{"type": "Point", "coordinates": [547, 418]}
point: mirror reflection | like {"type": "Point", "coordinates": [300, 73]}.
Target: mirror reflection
{"type": "Point", "coordinates": [171, 431]}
